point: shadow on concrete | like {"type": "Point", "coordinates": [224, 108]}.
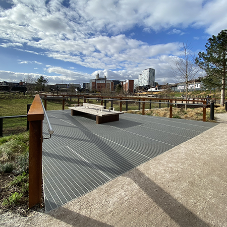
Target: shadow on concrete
{"type": "Point", "coordinates": [75, 219]}
{"type": "Point", "coordinates": [174, 209]}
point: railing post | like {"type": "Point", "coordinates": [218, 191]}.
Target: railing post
{"type": "Point", "coordinates": [63, 102]}
{"type": "Point", "coordinates": [150, 104]}
{"type": "Point", "coordinates": [35, 117]}
{"type": "Point", "coordinates": [211, 110]}
{"type": "Point", "coordinates": [78, 101]}
{"type": "Point", "coordinates": [225, 106]}
{"type": "Point", "coordinates": [204, 111]}
{"type": "Point", "coordinates": [101, 100]}
{"type": "Point", "coordinates": [159, 104]}
{"type": "Point", "coordinates": [126, 106]}
{"type": "Point", "coordinates": [139, 105]}
{"type": "Point", "coordinates": [28, 107]}
{"type": "Point", "coordinates": [120, 105]}
{"type": "Point", "coordinates": [104, 104]}
{"type": "Point", "coordinates": [143, 107]}
{"type": "Point", "coordinates": [111, 104]}
{"type": "Point", "coordinates": [45, 102]}
{"type": "Point", "coordinates": [1, 127]}
{"type": "Point", "coordinates": [170, 109]}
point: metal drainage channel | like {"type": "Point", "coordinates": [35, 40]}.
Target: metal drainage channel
{"type": "Point", "coordinates": [81, 155]}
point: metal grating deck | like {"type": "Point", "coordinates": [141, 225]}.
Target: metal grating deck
{"type": "Point", "coordinates": [82, 155]}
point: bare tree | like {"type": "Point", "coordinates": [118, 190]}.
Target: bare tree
{"type": "Point", "coordinates": [184, 68]}
{"type": "Point", "coordinates": [30, 84]}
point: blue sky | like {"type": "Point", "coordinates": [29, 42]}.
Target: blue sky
{"type": "Point", "coordinates": [70, 41]}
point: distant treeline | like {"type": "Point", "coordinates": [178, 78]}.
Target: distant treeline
{"type": "Point", "coordinates": [14, 88]}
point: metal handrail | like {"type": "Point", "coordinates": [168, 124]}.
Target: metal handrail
{"type": "Point", "coordinates": [50, 130]}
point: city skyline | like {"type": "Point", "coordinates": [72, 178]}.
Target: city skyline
{"type": "Point", "coordinates": [71, 41]}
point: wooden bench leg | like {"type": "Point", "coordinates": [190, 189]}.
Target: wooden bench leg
{"type": "Point", "coordinates": [105, 119]}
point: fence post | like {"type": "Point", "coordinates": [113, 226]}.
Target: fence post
{"type": "Point", "coordinates": [28, 107]}
{"type": "Point", "coordinates": [111, 104]}
{"type": "Point", "coordinates": [150, 104]}
{"type": "Point", "coordinates": [35, 117]}
{"type": "Point", "coordinates": [104, 104]}
{"type": "Point", "coordinates": [159, 104]}
{"type": "Point", "coordinates": [120, 105]}
{"type": "Point", "coordinates": [1, 127]}
{"type": "Point", "coordinates": [204, 111]}
{"type": "Point", "coordinates": [139, 105]}
{"type": "Point", "coordinates": [126, 105]}
{"type": "Point", "coordinates": [78, 101]}
{"type": "Point", "coordinates": [101, 100]}
{"type": "Point", "coordinates": [211, 110]}
{"type": "Point", "coordinates": [45, 102]}
{"type": "Point", "coordinates": [225, 106]}
{"type": "Point", "coordinates": [170, 109]}
{"type": "Point", "coordinates": [143, 107]}
{"type": "Point", "coordinates": [63, 102]}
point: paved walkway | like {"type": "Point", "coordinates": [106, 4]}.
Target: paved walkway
{"type": "Point", "coordinates": [185, 186]}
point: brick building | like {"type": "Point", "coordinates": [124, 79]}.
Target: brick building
{"type": "Point", "coordinates": [101, 84]}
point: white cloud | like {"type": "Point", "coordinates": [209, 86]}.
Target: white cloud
{"type": "Point", "coordinates": [89, 33]}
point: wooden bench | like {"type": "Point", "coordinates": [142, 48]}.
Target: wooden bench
{"type": "Point", "coordinates": [96, 112]}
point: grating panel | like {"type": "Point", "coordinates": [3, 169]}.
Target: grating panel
{"type": "Point", "coordinates": [82, 155]}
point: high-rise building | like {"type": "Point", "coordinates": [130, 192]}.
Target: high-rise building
{"type": "Point", "coordinates": [147, 78]}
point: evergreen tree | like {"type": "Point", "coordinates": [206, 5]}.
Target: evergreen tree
{"type": "Point", "coordinates": [40, 83]}
{"type": "Point", "coordinates": [213, 62]}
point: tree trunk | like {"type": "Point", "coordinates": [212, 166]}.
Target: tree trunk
{"type": "Point", "coordinates": [223, 91]}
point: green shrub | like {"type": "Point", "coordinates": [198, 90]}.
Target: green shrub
{"type": "Point", "coordinates": [6, 168]}
{"type": "Point", "coordinates": [13, 199]}
{"type": "Point", "coordinates": [20, 179]}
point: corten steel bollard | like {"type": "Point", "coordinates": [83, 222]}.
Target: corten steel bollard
{"type": "Point", "coordinates": [170, 109]}
{"type": "Point", "coordinates": [211, 110]}
{"type": "Point", "coordinates": [120, 105]}
{"type": "Point", "coordinates": [143, 107]}
{"type": "Point", "coordinates": [35, 117]}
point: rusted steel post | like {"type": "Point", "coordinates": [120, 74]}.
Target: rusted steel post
{"type": "Point", "coordinates": [120, 105]}
{"type": "Point", "coordinates": [170, 109]}
{"type": "Point", "coordinates": [63, 102]}
{"type": "Point", "coordinates": [45, 102]}
{"type": "Point", "coordinates": [28, 107]}
{"type": "Point", "coordinates": [101, 101]}
{"type": "Point", "coordinates": [204, 111]}
{"type": "Point", "coordinates": [35, 117]}
{"type": "Point", "coordinates": [143, 107]}
{"type": "Point", "coordinates": [126, 105]}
